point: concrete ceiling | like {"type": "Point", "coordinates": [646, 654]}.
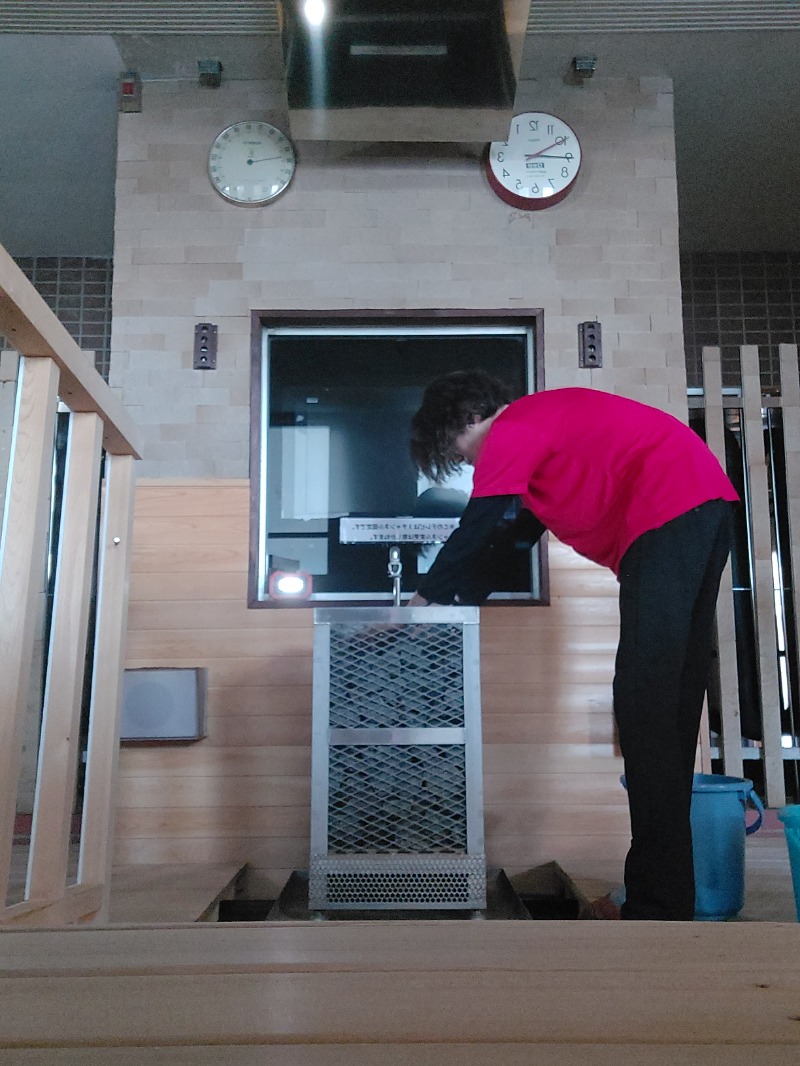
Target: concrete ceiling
{"type": "Point", "coordinates": [737, 113]}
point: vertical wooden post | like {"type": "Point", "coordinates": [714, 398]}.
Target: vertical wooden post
{"type": "Point", "coordinates": [790, 395]}
{"type": "Point", "coordinates": [112, 616]}
{"type": "Point", "coordinates": [58, 747]}
{"type": "Point", "coordinates": [763, 593]}
{"type": "Point", "coordinates": [9, 365]}
{"type": "Point", "coordinates": [25, 522]}
{"type": "Point", "coordinates": [731, 746]}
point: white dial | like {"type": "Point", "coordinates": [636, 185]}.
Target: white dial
{"type": "Point", "coordinates": [538, 164]}
{"type": "Point", "coordinates": [251, 163]}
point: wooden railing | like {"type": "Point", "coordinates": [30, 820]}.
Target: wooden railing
{"type": "Point", "coordinates": [53, 368]}
{"type": "Point", "coordinates": [771, 750]}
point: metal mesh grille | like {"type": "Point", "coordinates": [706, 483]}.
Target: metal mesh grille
{"type": "Point", "coordinates": [397, 799]}
{"type": "Point", "coordinates": [396, 676]}
{"type": "Point", "coordinates": [398, 883]}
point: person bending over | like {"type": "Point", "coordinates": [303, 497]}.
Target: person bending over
{"type": "Point", "coordinates": [634, 489]}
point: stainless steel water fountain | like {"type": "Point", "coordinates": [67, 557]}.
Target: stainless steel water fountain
{"type": "Point", "coordinates": [396, 790]}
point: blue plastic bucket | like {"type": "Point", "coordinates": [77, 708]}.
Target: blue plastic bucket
{"type": "Point", "coordinates": [790, 816]}
{"type": "Point", "coordinates": [718, 834]}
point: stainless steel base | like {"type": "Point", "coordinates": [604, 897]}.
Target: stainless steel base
{"type": "Point", "coordinates": [389, 882]}
{"type": "Point", "coordinates": [502, 904]}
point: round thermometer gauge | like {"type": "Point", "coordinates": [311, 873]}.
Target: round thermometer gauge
{"type": "Point", "coordinates": [251, 163]}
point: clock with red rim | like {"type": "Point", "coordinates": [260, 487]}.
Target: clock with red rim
{"type": "Point", "coordinates": [538, 164]}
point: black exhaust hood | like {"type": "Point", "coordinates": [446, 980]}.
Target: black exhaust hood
{"type": "Point", "coordinates": [441, 70]}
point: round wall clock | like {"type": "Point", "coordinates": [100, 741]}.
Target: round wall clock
{"type": "Point", "coordinates": [538, 164]}
{"type": "Point", "coordinates": [251, 163]}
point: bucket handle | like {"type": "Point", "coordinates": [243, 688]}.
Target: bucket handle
{"type": "Point", "coordinates": [751, 797]}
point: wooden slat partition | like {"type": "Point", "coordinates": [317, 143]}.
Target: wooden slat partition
{"type": "Point", "coordinates": [378, 993]}
{"type": "Point", "coordinates": [116, 538]}
{"type": "Point", "coordinates": [58, 745]}
{"type": "Point", "coordinates": [726, 629]}
{"type": "Point", "coordinates": [763, 595]}
{"type": "Point", "coordinates": [790, 393]}
{"type": "Point", "coordinates": [21, 563]}
{"type": "Point", "coordinates": [761, 522]}
{"type": "Point", "coordinates": [52, 367]}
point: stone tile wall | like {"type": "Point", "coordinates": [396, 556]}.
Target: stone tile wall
{"type": "Point", "coordinates": [383, 226]}
{"type": "Point", "coordinates": [737, 298]}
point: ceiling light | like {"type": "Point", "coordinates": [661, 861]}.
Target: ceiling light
{"type": "Point", "coordinates": [315, 12]}
{"type": "Point", "coordinates": [403, 50]}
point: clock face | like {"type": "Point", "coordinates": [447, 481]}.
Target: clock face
{"type": "Point", "coordinates": [251, 163]}
{"type": "Point", "coordinates": [538, 164]}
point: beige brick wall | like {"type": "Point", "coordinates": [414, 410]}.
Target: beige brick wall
{"type": "Point", "coordinates": [383, 226]}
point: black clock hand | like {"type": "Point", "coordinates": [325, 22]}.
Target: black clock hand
{"type": "Point", "coordinates": [266, 159]}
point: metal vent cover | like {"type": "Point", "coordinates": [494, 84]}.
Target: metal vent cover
{"type": "Point", "coordinates": [396, 797]}
{"type": "Point", "coordinates": [261, 16]}
{"type": "Point", "coordinates": [669, 16]}
{"type": "Point", "coordinates": [140, 16]}
{"type": "Point", "coordinates": [400, 882]}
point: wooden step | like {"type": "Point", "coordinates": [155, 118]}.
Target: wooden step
{"type": "Point", "coordinates": [171, 893]}
{"type": "Point", "coordinates": [330, 993]}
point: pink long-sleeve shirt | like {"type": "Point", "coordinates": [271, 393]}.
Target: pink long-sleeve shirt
{"type": "Point", "coordinates": [596, 469]}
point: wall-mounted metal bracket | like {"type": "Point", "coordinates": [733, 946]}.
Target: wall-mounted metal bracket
{"type": "Point", "coordinates": [205, 346]}
{"type": "Point", "coordinates": [590, 344]}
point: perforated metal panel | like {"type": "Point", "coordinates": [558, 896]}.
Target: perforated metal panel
{"type": "Point", "coordinates": [397, 805]}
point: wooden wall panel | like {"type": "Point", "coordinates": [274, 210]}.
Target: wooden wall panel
{"type": "Point", "coordinates": [551, 767]}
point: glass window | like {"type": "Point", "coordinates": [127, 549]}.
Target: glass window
{"type": "Point", "coordinates": [334, 488]}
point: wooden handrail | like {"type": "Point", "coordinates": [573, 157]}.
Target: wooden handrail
{"type": "Point", "coordinates": [51, 367]}
{"type": "Point", "coordinates": [32, 329]}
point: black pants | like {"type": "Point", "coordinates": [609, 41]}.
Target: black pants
{"type": "Point", "coordinates": [669, 580]}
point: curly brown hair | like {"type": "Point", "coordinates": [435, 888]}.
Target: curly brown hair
{"type": "Point", "coordinates": [449, 404]}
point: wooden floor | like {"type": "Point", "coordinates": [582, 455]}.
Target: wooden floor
{"type": "Point", "coordinates": [769, 891]}
{"type": "Point", "coordinates": [426, 993]}
{"type": "Point", "coordinates": [464, 992]}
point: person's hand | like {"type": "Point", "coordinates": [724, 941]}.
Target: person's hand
{"type": "Point", "coordinates": [386, 629]}
{"type": "Point", "coordinates": [418, 601]}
